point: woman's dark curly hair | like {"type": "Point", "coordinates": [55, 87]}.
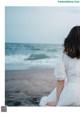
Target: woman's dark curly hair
{"type": "Point", "coordinates": [72, 43]}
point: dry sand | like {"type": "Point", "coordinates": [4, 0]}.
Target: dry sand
{"type": "Point", "coordinates": [26, 87]}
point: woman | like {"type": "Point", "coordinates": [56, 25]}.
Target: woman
{"type": "Point", "coordinates": [67, 73]}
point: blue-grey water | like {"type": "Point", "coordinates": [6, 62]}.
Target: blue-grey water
{"type": "Point", "coordinates": [26, 56]}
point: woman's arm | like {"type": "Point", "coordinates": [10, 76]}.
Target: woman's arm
{"type": "Point", "coordinates": [60, 85]}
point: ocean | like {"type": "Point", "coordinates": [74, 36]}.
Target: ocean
{"type": "Point", "coordinates": [21, 56]}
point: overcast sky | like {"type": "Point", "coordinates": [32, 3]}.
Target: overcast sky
{"type": "Point", "coordinates": [40, 24]}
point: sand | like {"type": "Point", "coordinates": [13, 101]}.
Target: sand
{"type": "Point", "coordinates": [26, 87]}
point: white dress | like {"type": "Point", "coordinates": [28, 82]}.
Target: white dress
{"type": "Point", "coordinates": [67, 69]}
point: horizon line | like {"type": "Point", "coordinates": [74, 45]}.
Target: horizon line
{"type": "Point", "coordinates": [33, 43]}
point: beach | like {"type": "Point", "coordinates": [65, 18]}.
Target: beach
{"type": "Point", "coordinates": [26, 87]}
{"type": "Point", "coordinates": [29, 72]}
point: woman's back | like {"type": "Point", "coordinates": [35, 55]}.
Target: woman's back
{"type": "Point", "coordinates": [72, 68]}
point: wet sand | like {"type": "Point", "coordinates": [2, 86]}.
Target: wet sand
{"type": "Point", "coordinates": [26, 87]}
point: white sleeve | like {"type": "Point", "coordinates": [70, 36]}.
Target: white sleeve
{"type": "Point", "coordinates": [59, 71]}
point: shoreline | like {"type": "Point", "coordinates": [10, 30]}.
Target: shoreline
{"type": "Point", "coordinates": [26, 87]}
{"type": "Point", "coordinates": [32, 68]}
